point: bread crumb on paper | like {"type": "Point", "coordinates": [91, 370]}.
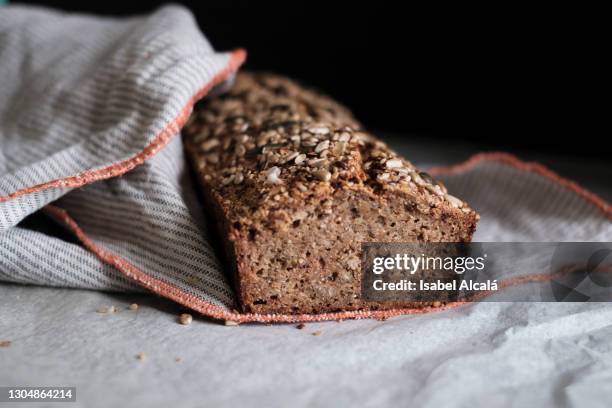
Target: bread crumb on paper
{"type": "Point", "coordinates": [185, 319]}
{"type": "Point", "coordinates": [106, 310]}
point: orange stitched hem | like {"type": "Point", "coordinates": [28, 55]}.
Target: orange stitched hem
{"type": "Point", "coordinates": [527, 166]}
{"type": "Point", "coordinates": [172, 129]}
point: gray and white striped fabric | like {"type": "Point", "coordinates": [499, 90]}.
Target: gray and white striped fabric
{"type": "Point", "coordinates": [81, 94]}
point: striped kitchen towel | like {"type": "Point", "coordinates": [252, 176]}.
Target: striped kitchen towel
{"type": "Point", "coordinates": [90, 112]}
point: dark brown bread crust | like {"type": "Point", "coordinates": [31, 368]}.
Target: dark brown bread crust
{"type": "Point", "coordinates": [296, 186]}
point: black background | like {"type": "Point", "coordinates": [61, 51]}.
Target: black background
{"type": "Point", "coordinates": [501, 76]}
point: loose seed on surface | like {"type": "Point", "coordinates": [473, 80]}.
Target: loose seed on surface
{"type": "Point", "coordinates": [133, 306]}
{"type": "Point", "coordinates": [185, 319]}
{"type": "Point", "coordinates": [231, 323]}
{"type": "Point", "coordinates": [317, 333]}
{"type": "Point", "coordinates": [141, 356]}
{"type": "Point", "coordinates": [106, 309]}
{"type": "Point", "coordinates": [5, 343]}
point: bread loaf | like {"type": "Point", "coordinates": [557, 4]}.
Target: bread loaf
{"type": "Point", "coordinates": [295, 186]}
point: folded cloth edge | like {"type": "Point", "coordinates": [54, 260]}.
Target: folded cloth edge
{"type": "Point", "coordinates": [533, 167]}
{"type": "Point", "coordinates": [237, 58]}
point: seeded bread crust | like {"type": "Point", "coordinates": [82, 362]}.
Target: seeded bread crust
{"type": "Point", "coordinates": [295, 186]}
